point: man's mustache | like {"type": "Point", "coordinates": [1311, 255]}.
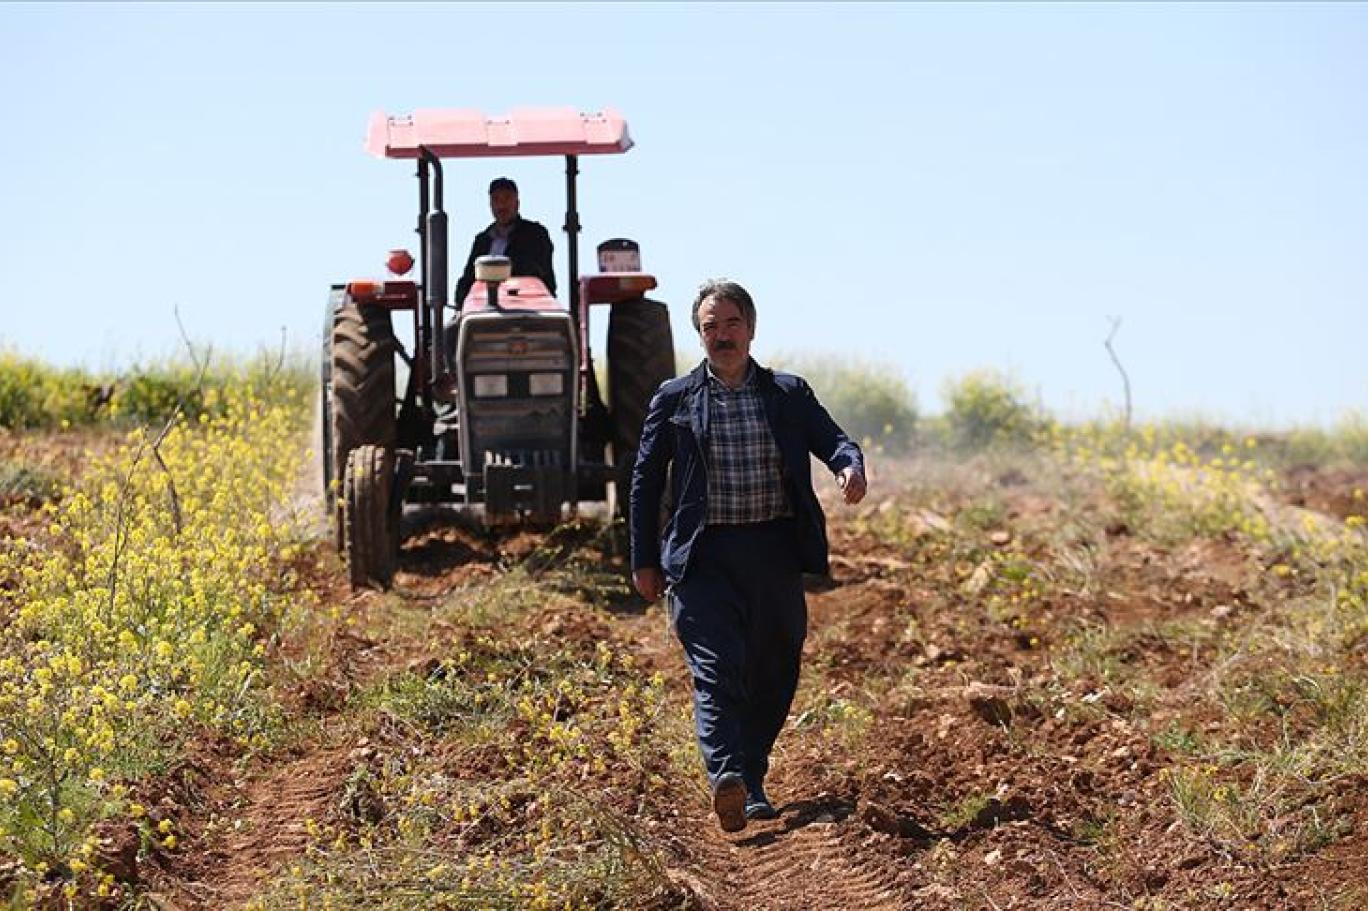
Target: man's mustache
{"type": "Point", "coordinates": [724, 346]}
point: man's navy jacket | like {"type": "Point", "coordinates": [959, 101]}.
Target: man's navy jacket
{"type": "Point", "coordinates": [674, 444]}
{"type": "Point", "coordinates": [529, 249]}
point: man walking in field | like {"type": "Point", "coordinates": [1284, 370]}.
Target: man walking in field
{"type": "Point", "coordinates": [734, 440]}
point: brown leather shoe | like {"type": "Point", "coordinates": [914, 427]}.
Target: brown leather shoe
{"type": "Point", "coordinates": [729, 802]}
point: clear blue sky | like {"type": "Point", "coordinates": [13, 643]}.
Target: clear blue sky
{"type": "Point", "coordinates": [936, 187]}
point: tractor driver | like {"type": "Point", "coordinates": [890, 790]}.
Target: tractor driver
{"type": "Point", "coordinates": [524, 242]}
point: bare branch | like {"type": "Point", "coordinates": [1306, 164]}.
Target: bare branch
{"type": "Point", "coordinates": [170, 489]}
{"type": "Point", "coordinates": [1125, 380]}
{"type": "Point", "coordinates": [189, 346]}
{"type": "Point", "coordinates": [176, 412]}
{"type": "Point", "coordinates": [202, 366]}
{"type": "Point", "coordinates": [273, 372]}
{"type": "Point", "coordinates": [119, 538]}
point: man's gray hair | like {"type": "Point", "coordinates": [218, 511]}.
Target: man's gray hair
{"type": "Point", "coordinates": [724, 290]}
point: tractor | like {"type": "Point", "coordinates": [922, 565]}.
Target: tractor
{"type": "Point", "coordinates": [501, 414]}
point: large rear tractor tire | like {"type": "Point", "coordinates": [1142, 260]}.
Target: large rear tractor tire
{"type": "Point", "coordinates": [640, 358]}
{"type": "Point", "coordinates": [370, 524]}
{"type": "Point", "coordinates": [358, 391]}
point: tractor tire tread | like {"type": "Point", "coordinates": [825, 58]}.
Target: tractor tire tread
{"type": "Point", "coordinates": [362, 402]}
{"type": "Point", "coordinates": [640, 358]}
{"type": "Point", "coordinates": [370, 540]}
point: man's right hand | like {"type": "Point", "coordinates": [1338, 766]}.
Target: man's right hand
{"type": "Point", "coordinates": [650, 582]}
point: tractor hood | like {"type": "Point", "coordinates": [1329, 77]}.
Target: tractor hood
{"type": "Point", "coordinates": [520, 293]}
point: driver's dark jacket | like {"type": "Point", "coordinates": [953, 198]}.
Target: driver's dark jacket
{"type": "Point", "coordinates": [529, 249]}
{"type": "Point", "coordinates": [674, 445]}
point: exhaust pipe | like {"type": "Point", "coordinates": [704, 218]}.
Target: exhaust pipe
{"type": "Point", "coordinates": [435, 275]}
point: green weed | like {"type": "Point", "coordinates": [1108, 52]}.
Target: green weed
{"type": "Point", "coordinates": [871, 401]}
{"type": "Point", "coordinates": [986, 407]}
{"type": "Point", "coordinates": [36, 395]}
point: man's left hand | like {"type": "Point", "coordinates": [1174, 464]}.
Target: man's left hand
{"type": "Point", "coordinates": [852, 484]}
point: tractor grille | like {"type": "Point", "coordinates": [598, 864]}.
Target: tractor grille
{"type": "Point", "coordinates": [518, 376]}
{"type": "Point", "coordinates": [520, 424]}
{"type": "Point", "coordinates": [497, 349]}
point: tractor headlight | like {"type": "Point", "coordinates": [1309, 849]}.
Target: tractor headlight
{"type": "Point", "coordinates": [545, 383]}
{"type": "Point", "coordinates": [491, 385]}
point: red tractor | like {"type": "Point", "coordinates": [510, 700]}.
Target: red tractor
{"type": "Point", "coordinates": [501, 411]}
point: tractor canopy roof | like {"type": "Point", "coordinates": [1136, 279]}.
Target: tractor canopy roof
{"type": "Point", "coordinates": [464, 133]}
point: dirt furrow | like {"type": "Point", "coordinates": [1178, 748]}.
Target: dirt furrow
{"type": "Point", "coordinates": [794, 864]}
{"type": "Point", "coordinates": [810, 868]}
{"type": "Point", "coordinates": [265, 826]}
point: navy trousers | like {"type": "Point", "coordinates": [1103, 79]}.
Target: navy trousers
{"type": "Point", "coordinates": [741, 616]}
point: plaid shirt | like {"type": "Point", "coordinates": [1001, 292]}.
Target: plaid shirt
{"type": "Point", "coordinates": [745, 473]}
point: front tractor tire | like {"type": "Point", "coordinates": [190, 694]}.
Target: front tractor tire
{"type": "Point", "coordinates": [370, 523]}
{"type": "Point", "coordinates": [640, 358]}
{"type": "Point", "coordinates": [358, 392]}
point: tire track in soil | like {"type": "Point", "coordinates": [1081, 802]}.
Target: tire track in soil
{"type": "Point", "coordinates": [275, 810]}
{"type": "Point", "coordinates": [271, 808]}
{"type": "Point", "coordinates": [800, 864]}
{"type": "Point", "coordinates": [263, 816]}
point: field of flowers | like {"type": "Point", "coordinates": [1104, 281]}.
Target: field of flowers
{"type": "Point", "coordinates": [134, 619]}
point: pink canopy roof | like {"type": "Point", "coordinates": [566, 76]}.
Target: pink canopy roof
{"type": "Point", "coordinates": [463, 133]}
